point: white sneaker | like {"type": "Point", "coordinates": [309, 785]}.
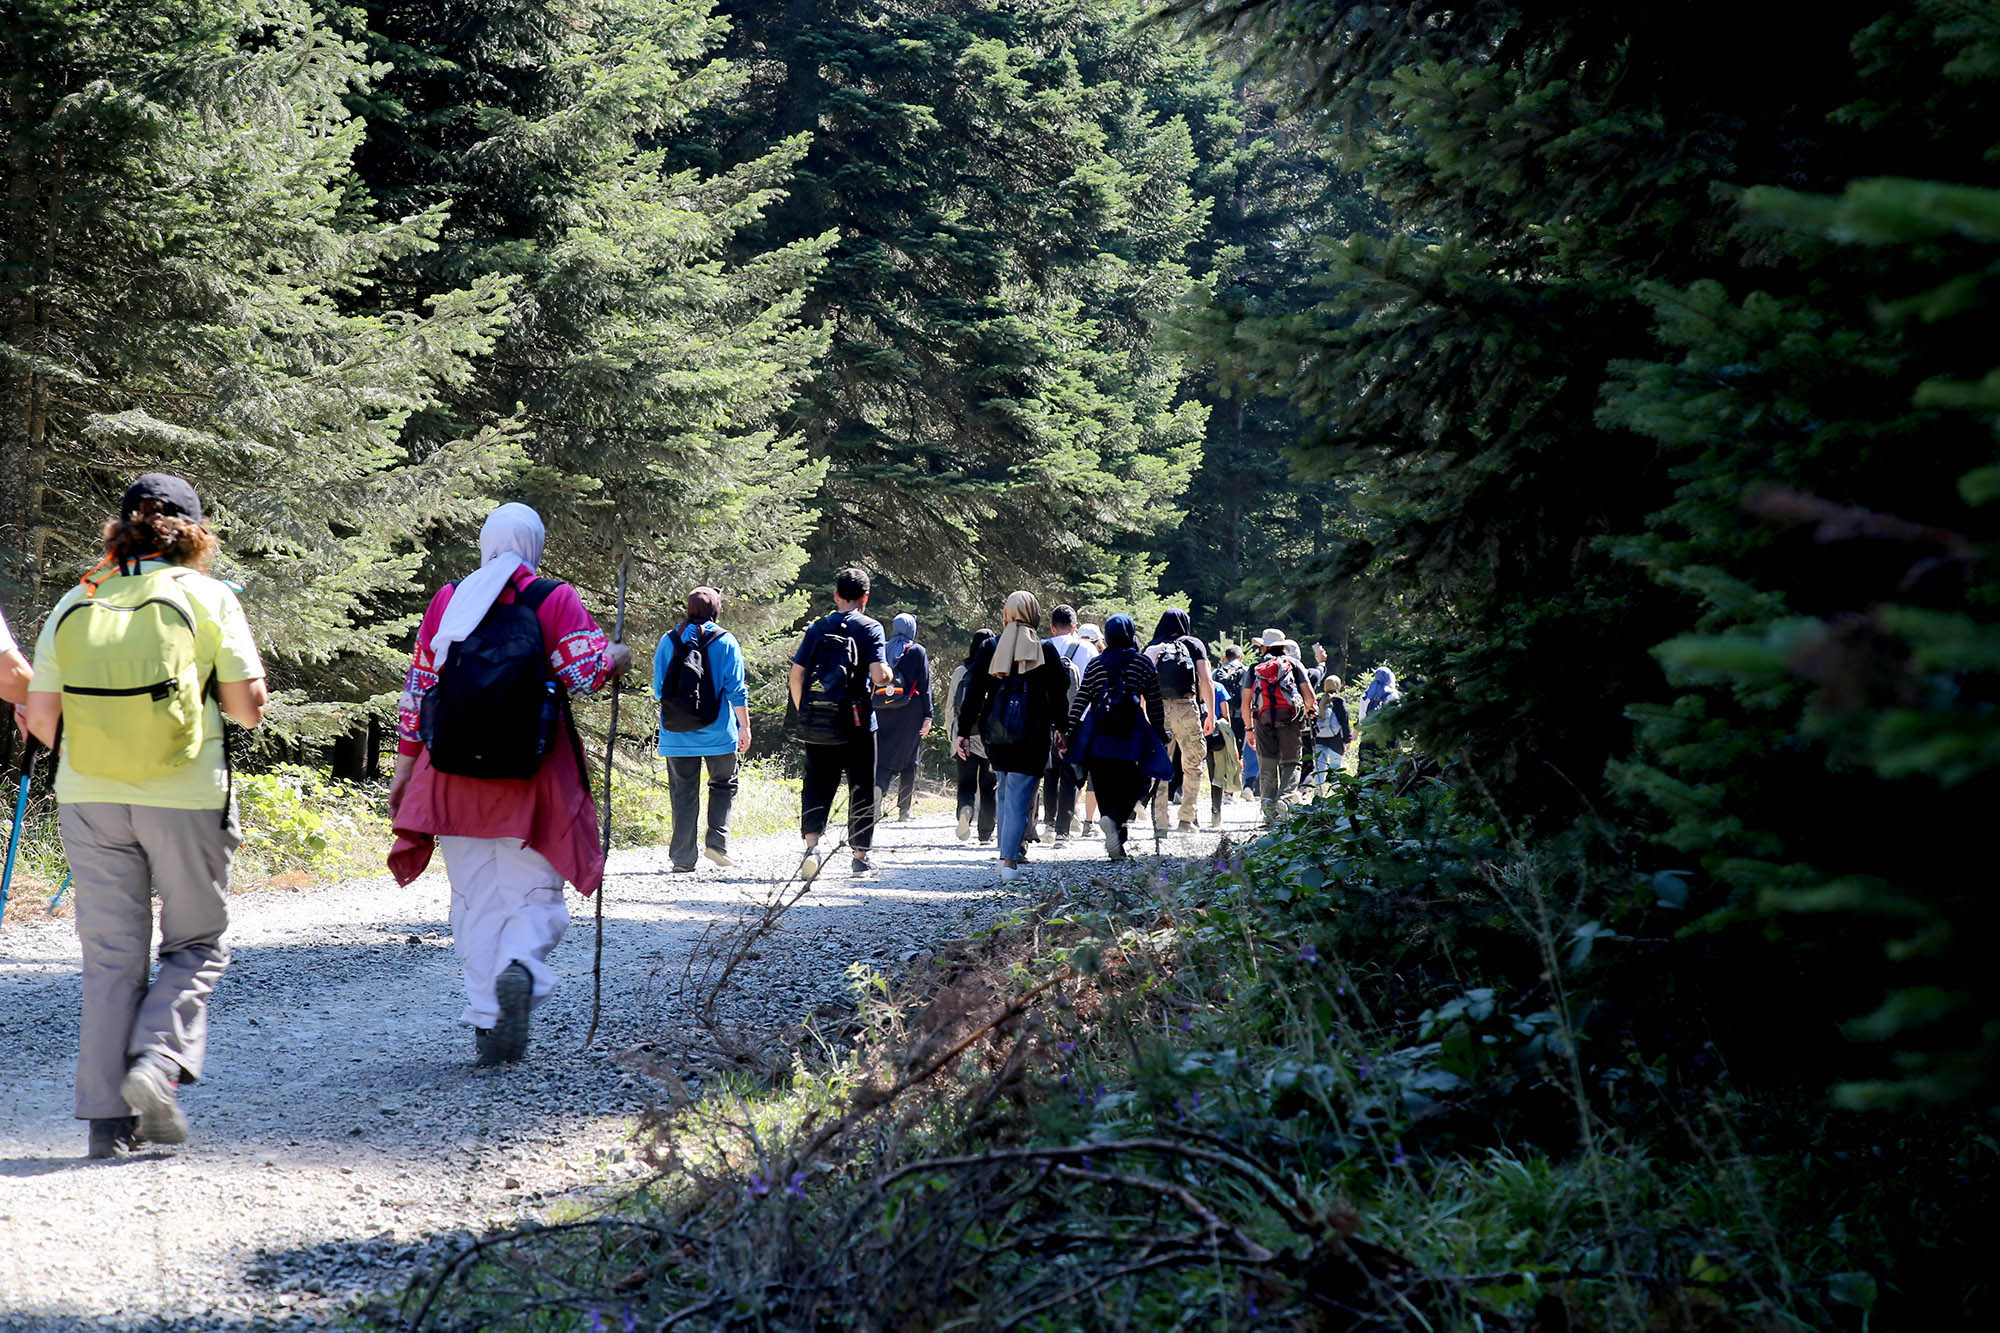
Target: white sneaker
{"type": "Point", "coordinates": [964, 822]}
{"type": "Point", "coordinates": [1114, 838]}
{"type": "Point", "coordinates": [809, 867]}
{"type": "Point", "coordinates": [1008, 874]}
{"type": "Point", "coordinates": [721, 858]}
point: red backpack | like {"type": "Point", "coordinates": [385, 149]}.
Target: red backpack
{"type": "Point", "coordinates": [1274, 691]}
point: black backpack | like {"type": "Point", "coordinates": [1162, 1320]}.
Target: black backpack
{"type": "Point", "coordinates": [494, 712]}
{"type": "Point", "coordinates": [831, 701]}
{"type": "Point", "coordinates": [1176, 667]}
{"type": "Point", "coordinates": [689, 700]}
{"type": "Point", "coordinates": [1007, 709]}
{"type": "Point", "coordinates": [897, 693]}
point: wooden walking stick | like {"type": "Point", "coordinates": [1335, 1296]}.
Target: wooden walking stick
{"type": "Point", "coordinates": [604, 836]}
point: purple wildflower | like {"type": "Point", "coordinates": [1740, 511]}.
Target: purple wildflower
{"type": "Point", "coordinates": [1250, 1306]}
{"type": "Point", "coordinates": [1066, 1047]}
{"type": "Point", "coordinates": [1363, 1070]}
{"type": "Point", "coordinates": [795, 1188]}
{"type": "Point", "coordinates": [1401, 1158]}
{"type": "Point", "coordinates": [597, 1324]}
{"type": "Point", "coordinates": [1308, 954]}
{"type": "Point", "coordinates": [758, 1186]}
{"type": "Point", "coordinates": [631, 1322]}
{"type": "Point", "coordinates": [1187, 1024]}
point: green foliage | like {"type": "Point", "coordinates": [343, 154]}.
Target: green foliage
{"type": "Point", "coordinates": [1840, 669]}
{"type": "Point", "coordinates": [653, 345]}
{"type": "Point", "coordinates": [298, 821]}
{"type": "Point", "coordinates": [1013, 216]}
{"type": "Point", "coordinates": [179, 270]}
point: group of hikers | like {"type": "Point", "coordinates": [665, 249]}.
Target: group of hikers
{"type": "Point", "coordinates": [136, 668]}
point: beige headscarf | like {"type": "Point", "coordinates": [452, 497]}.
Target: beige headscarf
{"type": "Point", "coordinates": [1019, 645]}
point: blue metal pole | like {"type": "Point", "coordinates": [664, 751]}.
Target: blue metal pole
{"type": "Point", "coordinates": [56, 901]}
{"type": "Point", "coordinates": [20, 817]}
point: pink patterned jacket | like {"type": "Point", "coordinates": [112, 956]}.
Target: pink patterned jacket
{"type": "Point", "coordinates": [553, 811]}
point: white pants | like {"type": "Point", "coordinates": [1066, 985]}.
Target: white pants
{"type": "Point", "coordinates": [506, 907]}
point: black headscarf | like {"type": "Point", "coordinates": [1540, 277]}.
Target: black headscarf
{"type": "Point", "coordinates": [980, 638]}
{"type": "Point", "coordinates": [1174, 624]}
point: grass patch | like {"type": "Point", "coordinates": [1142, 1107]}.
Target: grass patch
{"type": "Point", "coordinates": [1375, 1070]}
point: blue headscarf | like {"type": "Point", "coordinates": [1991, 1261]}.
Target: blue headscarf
{"type": "Point", "coordinates": [1120, 632]}
{"type": "Point", "coordinates": [1382, 689]}
{"type": "Point", "coordinates": [905, 635]}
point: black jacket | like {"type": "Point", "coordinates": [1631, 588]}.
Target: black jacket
{"type": "Point", "coordinates": [1048, 703]}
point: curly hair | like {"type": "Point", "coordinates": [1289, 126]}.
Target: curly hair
{"type": "Point", "coordinates": [148, 532]}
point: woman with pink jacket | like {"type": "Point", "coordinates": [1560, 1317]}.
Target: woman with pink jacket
{"type": "Point", "coordinates": [509, 843]}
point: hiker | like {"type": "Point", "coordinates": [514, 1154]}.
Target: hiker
{"type": "Point", "coordinates": [1281, 702]}
{"type": "Point", "coordinates": [903, 711]}
{"type": "Point", "coordinates": [489, 771]}
{"type": "Point", "coordinates": [841, 659]}
{"type": "Point", "coordinates": [1381, 694]}
{"type": "Point", "coordinates": [1188, 688]}
{"type": "Point", "coordinates": [15, 672]}
{"type": "Point", "coordinates": [1115, 723]}
{"type": "Point", "coordinates": [1293, 651]}
{"type": "Point", "coordinates": [1094, 636]}
{"type": "Point", "coordinates": [1332, 734]}
{"type": "Point", "coordinates": [1317, 672]}
{"type": "Point", "coordinates": [1225, 761]}
{"type": "Point", "coordinates": [1017, 693]}
{"type": "Point", "coordinates": [976, 782]}
{"type": "Point", "coordinates": [1059, 784]}
{"type": "Point", "coordinates": [147, 802]}
{"type": "Point", "coordinates": [699, 679]}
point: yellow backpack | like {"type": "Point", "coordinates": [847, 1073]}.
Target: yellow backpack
{"type": "Point", "coordinates": [132, 687]}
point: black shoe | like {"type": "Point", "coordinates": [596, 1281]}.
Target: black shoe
{"type": "Point", "coordinates": [683, 870]}
{"type": "Point", "coordinates": [515, 990]}
{"type": "Point", "coordinates": [484, 1052]}
{"type": "Point", "coordinates": [863, 866]}
{"type": "Point", "coordinates": [109, 1138]}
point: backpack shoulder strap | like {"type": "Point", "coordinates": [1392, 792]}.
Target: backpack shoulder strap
{"type": "Point", "coordinates": [537, 592]}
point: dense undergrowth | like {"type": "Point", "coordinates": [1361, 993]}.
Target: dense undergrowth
{"type": "Point", "coordinates": [1382, 1068]}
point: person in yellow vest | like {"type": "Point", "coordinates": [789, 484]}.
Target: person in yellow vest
{"type": "Point", "coordinates": [137, 665]}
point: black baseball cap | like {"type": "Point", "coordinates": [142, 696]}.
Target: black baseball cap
{"type": "Point", "coordinates": [171, 493]}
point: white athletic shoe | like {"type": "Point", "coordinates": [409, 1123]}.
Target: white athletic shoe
{"type": "Point", "coordinates": [1008, 874]}
{"type": "Point", "coordinates": [964, 822]}
{"type": "Point", "coordinates": [1114, 838]}
{"type": "Point", "coordinates": [809, 867]}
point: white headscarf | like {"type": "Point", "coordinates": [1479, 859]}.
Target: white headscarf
{"type": "Point", "coordinates": [510, 540]}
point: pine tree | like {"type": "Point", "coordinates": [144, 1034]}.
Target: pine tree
{"type": "Point", "coordinates": [652, 348]}
{"type": "Point", "coordinates": [178, 261]}
{"type": "Point", "coordinates": [1831, 750]}
{"type": "Point", "coordinates": [1012, 222]}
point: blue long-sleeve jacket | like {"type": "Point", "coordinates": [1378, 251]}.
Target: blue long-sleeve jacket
{"type": "Point", "coordinates": [731, 685]}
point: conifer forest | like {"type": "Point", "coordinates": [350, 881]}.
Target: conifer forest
{"type": "Point", "coordinates": [1626, 376]}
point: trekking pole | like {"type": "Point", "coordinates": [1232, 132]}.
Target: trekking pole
{"type": "Point", "coordinates": [604, 845]}
{"type": "Point", "coordinates": [20, 818]}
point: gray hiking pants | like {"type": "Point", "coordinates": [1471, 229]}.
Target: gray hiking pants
{"type": "Point", "coordinates": [117, 854]}
{"type": "Point", "coordinates": [684, 791]}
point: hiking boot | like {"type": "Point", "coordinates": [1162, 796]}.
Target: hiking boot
{"type": "Point", "coordinates": [485, 1051]}
{"type": "Point", "coordinates": [149, 1090]}
{"type": "Point", "coordinates": [718, 856]}
{"type": "Point", "coordinates": [809, 867]}
{"type": "Point", "coordinates": [964, 822]}
{"type": "Point", "coordinates": [1114, 838]}
{"type": "Point", "coordinates": [109, 1138]}
{"type": "Point", "coordinates": [515, 990]}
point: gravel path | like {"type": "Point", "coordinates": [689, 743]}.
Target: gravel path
{"type": "Point", "coordinates": [342, 1135]}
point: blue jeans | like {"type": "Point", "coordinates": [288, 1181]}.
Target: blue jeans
{"type": "Point", "coordinates": [1017, 798]}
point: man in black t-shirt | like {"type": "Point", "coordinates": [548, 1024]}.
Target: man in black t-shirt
{"type": "Point", "coordinates": [840, 657]}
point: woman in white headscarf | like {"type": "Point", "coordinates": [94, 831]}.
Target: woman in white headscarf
{"type": "Point", "coordinates": [505, 795]}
